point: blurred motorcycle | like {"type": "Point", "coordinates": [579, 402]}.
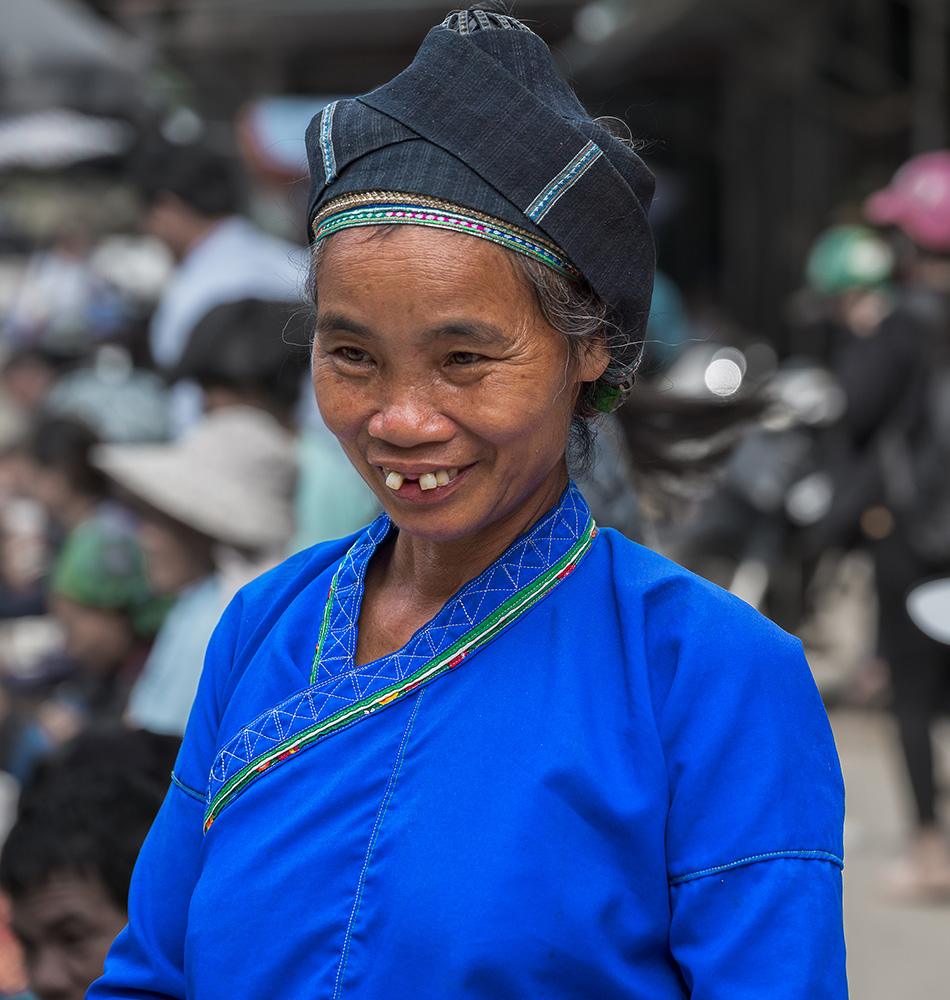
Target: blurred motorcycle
{"type": "Point", "coordinates": [772, 418]}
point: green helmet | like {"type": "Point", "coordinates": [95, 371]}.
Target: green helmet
{"type": "Point", "coordinates": [844, 258]}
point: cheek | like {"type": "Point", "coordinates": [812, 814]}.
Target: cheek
{"type": "Point", "coordinates": [525, 403]}
{"type": "Point", "coordinates": [344, 405]}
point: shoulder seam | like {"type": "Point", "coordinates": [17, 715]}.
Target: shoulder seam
{"type": "Point", "coordinates": [753, 858]}
{"type": "Point", "coordinates": [197, 796]}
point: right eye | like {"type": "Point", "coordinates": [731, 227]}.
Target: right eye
{"type": "Point", "coordinates": [352, 354]}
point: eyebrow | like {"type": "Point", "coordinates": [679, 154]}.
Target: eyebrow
{"type": "Point", "coordinates": [67, 921]}
{"type": "Point", "coordinates": [484, 334]}
{"type": "Point", "coordinates": [338, 323]}
{"type": "Point", "coordinates": [63, 921]}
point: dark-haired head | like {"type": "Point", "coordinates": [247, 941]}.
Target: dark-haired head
{"type": "Point", "coordinates": [90, 828]}
{"type": "Point", "coordinates": [87, 809]}
{"type": "Point", "coordinates": [251, 351]}
{"type": "Point", "coordinates": [60, 448]}
{"type": "Point", "coordinates": [67, 863]}
{"type": "Point", "coordinates": [200, 176]}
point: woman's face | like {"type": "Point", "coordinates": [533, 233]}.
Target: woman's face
{"type": "Point", "coordinates": [449, 392]}
{"type": "Point", "coordinates": [98, 639]}
{"type": "Point", "coordinates": [66, 926]}
{"type": "Point", "coordinates": [175, 555]}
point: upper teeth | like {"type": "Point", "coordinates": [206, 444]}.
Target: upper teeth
{"type": "Point", "coordinates": [427, 481]}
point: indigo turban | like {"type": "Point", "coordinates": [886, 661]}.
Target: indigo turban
{"type": "Point", "coordinates": [482, 134]}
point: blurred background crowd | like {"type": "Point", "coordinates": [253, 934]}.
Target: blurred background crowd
{"type": "Point", "coordinates": [788, 437]}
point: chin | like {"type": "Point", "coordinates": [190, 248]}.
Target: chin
{"type": "Point", "coordinates": [428, 525]}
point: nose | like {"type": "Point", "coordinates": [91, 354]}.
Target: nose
{"type": "Point", "coordinates": [407, 416]}
{"type": "Point", "coordinates": [49, 976]}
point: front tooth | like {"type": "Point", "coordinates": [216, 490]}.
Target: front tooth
{"type": "Point", "coordinates": [442, 477]}
{"type": "Point", "coordinates": [428, 481]}
{"type": "Point", "coordinates": [395, 480]}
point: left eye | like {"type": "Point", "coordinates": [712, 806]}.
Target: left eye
{"type": "Point", "coordinates": [464, 358]}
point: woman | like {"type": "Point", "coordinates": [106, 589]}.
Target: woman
{"type": "Point", "coordinates": [528, 758]}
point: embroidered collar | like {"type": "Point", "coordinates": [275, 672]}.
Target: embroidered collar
{"type": "Point", "coordinates": [342, 694]}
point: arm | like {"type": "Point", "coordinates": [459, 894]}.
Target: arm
{"type": "Point", "coordinates": [769, 930]}
{"type": "Point", "coordinates": [147, 959]}
{"type": "Point", "coordinates": [754, 829]}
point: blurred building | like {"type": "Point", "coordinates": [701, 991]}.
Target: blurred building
{"type": "Point", "coordinates": [59, 52]}
{"type": "Point", "coordinates": [775, 119]}
{"type": "Point", "coordinates": [765, 119]}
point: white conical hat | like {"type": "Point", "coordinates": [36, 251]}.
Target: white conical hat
{"type": "Point", "coordinates": [231, 477]}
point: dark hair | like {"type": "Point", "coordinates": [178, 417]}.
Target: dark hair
{"type": "Point", "coordinates": [200, 176]}
{"type": "Point", "coordinates": [581, 316]}
{"type": "Point", "coordinates": [86, 812]}
{"type": "Point", "coordinates": [253, 345]}
{"type": "Point", "coordinates": [64, 443]}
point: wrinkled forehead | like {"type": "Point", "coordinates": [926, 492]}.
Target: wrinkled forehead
{"type": "Point", "coordinates": [44, 908]}
{"type": "Point", "coordinates": [420, 277]}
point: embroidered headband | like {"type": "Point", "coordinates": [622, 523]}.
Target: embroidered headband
{"type": "Point", "coordinates": [374, 208]}
{"type": "Point", "coordinates": [481, 134]}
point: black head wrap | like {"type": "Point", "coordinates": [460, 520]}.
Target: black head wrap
{"type": "Point", "coordinates": [482, 134]}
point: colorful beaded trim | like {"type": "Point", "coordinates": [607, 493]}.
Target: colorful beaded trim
{"type": "Point", "coordinates": [444, 662]}
{"type": "Point", "coordinates": [375, 208]}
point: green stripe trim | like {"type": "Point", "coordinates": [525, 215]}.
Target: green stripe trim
{"type": "Point", "coordinates": [474, 639]}
{"type": "Point", "coordinates": [325, 624]}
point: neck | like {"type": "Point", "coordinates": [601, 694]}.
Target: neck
{"type": "Point", "coordinates": [432, 571]}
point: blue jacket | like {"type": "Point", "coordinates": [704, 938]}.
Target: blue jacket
{"type": "Point", "coordinates": [592, 775]}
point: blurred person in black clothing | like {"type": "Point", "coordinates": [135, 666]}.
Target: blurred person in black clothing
{"type": "Point", "coordinates": [884, 349]}
{"type": "Point", "coordinates": [916, 467]}
{"type": "Point", "coordinates": [876, 350]}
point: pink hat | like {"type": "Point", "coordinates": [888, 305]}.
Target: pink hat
{"type": "Point", "coordinates": [917, 201]}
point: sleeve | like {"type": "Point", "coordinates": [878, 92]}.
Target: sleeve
{"type": "Point", "coordinates": [147, 958]}
{"type": "Point", "coordinates": [754, 831]}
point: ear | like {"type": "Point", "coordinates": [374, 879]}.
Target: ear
{"type": "Point", "coordinates": [593, 358]}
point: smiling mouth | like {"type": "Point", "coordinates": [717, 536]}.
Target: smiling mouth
{"type": "Point", "coordinates": [426, 481]}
